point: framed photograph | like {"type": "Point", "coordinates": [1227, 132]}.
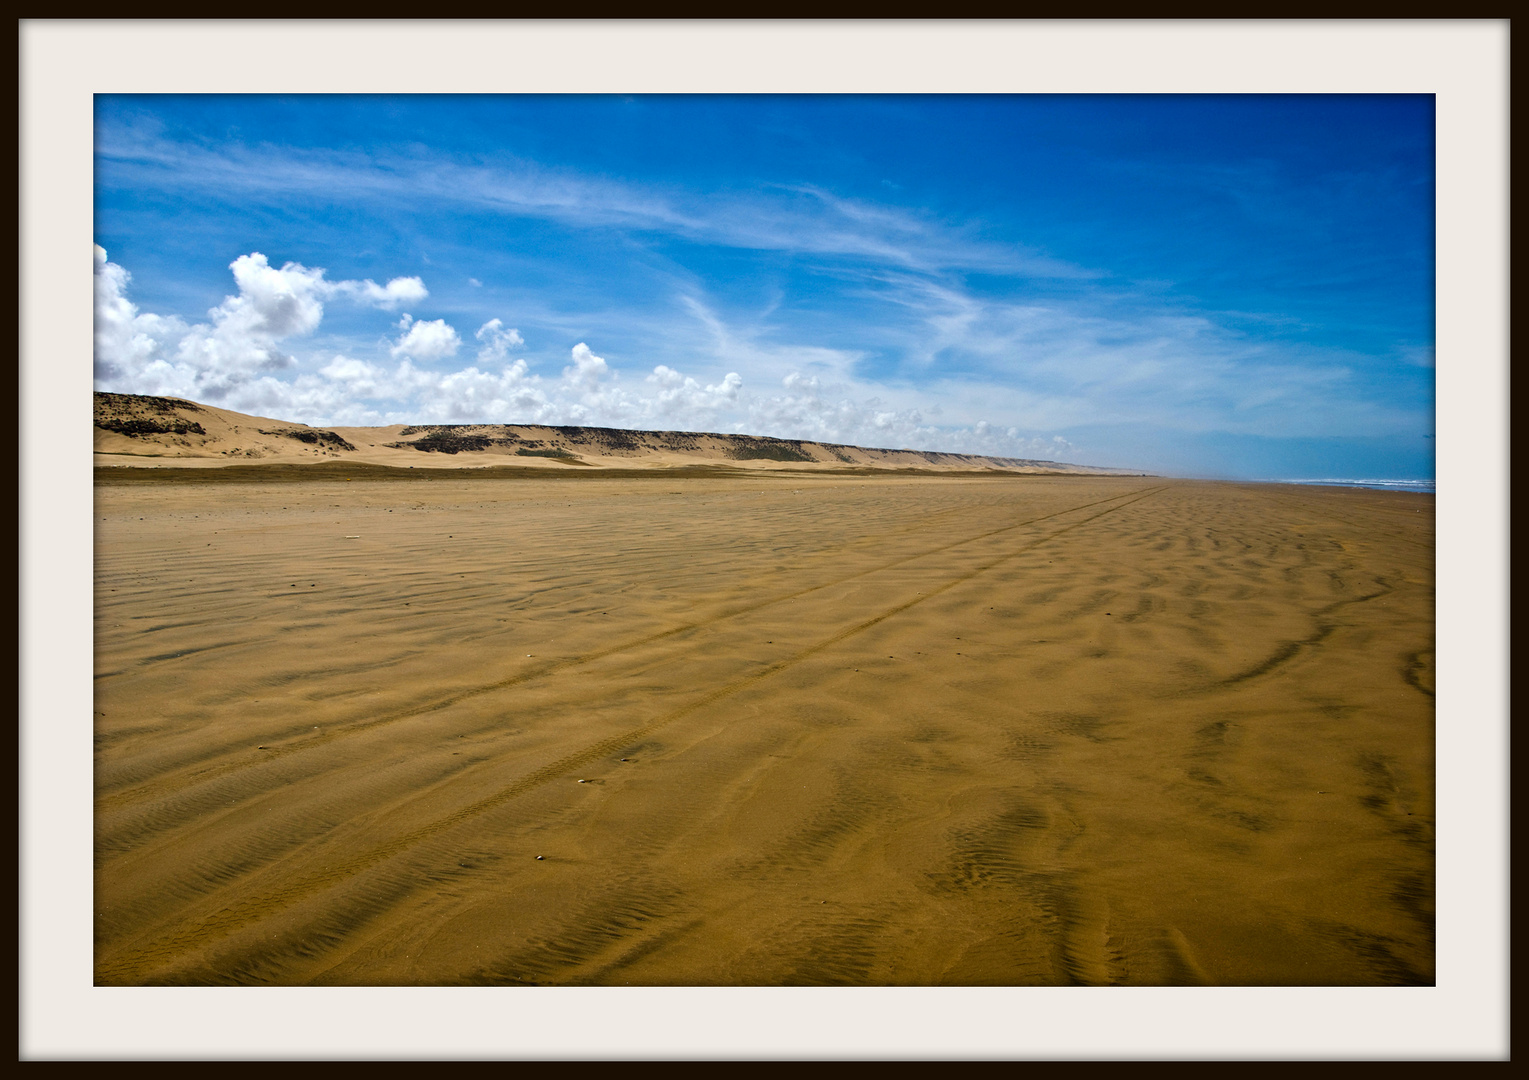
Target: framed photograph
{"type": "Point", "coordinates": [887, 540]}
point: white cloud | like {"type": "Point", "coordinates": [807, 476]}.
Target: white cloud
{"type": "Point", "coordinates": [682, 402]}
{"type": "Point", "coordinates": [754, 350]}
{"type": "Point", "coordinates": [359, 378]}
{"type": "Point", "coordinates": [148, 353]}
{"type": "Point", "coordinates": [497, 341]}
{"type": "Point", "coordinates": [433, 340]}
{"type": "Point", "coordinates": [125, 341]}
{"type": "Point", "coordinates": [780, 217]}
{"type": "Point", "coordinates": [1058, 363]}
{"type": "Point", "coordinates": [234, 361]}
{"type": "Point", "coordinates": [246, 329]}
{"type": "Point", "coordinates": [389, 297]}
{"type": "Point", "coordinates": [587, 370]}
{"type": "Point", "coordinates": [273, 303]}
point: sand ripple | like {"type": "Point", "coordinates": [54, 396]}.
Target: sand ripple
{"type": "Point", "coordinates": [763, 729]}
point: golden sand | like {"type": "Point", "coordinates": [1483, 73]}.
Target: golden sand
{"type": "Point", "coordinates": [761, 728]}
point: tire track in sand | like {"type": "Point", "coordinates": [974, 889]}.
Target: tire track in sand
{"type": "Point", "coordinates": [179, 781]}
{"type": "Point", "coordinates": [131, 965]}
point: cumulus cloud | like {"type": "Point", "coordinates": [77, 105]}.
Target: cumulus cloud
{"type": "Point", "coordinates": [587, 369]}
{"type": "Point", "coordinates": [497, 341]}
{"type": "Point", "coordinates": [797, 383]}
{"type": "Point", "coordinates": [359, 378]}
{"type": "Point", "coordinates": [246, 329]}
{"type": "Point", "coordinates": [838, 414]}
{"type": "Point", "coordinates": [681, 401]}
{"type": "Point", "coordinates": [243, 340]}
{"type": "Point", "coordinates": [236, 360]}
{"type": "Point", "coordinates": [433, 340]}
{"type": "Point", "coordinates": [125, 340]}
{"type": "Point", "coordinates": [389, 297]}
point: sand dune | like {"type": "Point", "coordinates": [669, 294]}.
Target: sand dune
{"type": "Point", "coordinates": [752, 727]}
{"type": "Point", "coordinates": [133, 429]}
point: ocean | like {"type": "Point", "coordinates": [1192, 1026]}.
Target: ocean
{"type": "Point", "coordinates": [1386, 485]}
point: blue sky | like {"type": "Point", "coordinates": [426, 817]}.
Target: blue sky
{"type": "Point", "coordinates": [1215, 286]}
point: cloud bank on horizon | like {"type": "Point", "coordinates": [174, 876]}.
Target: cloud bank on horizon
{"type": "Point", "coordinates": [1217, 286]}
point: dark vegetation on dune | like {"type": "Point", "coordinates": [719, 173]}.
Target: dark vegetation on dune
{"type": "Point", "coordinates": [466, 438]}
{"type": "Point", "coordinates": [136, 415]}
{"type": "Point", "coordinates": [311, 436]}
{"type": "Point", "coordinates": [605, 438]}
{"type": "Point", "coordinates": [117, 404]}
{"type": "Point", "coordinates": [446, 442]}
{"type": "Point", "coordinates": [498, 433]}
{"type": "Point", "coordinates": [140, 426]}
{"type": "Point", "coordinates": [747, 448]}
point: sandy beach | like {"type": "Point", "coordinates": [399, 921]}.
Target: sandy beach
{"type": "Point", "coordinates": [753, 726]}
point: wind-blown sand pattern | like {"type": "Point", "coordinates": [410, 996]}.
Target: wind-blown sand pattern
{"type": "Point", "coordinates": [760, 727]}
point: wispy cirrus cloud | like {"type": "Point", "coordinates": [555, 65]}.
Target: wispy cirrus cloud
{"type": "Point", "coordinates": [769, 217]}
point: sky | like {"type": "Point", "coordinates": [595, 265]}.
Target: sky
{"type": "Point", "coordinates": [1224, 286]}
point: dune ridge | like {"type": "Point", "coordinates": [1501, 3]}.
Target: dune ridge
{"type": "Point", "coordinates": [143, 430]}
